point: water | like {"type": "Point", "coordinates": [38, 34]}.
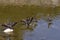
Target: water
{"type": "Point", "coordinates": [42, 32]}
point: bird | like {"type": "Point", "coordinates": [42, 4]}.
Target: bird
{"type": "Point", "coordinates": [49, 22]}
{"type": "Point", "coordinates": [8, 27]}
{"type": "Point", "coordinates": [28, 21]}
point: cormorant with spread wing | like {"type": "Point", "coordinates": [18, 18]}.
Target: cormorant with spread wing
{"type": "Point", "coordinates": [28, 21]}
{"type": "Point", "coordinates": [9, 25]}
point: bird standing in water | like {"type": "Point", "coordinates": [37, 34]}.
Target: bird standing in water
{"type": "Point", "coordinates": [49, 21]}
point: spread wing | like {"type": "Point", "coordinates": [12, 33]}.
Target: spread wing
{"type": "Point", "coordinates": [31, 19]}
{"type": "Point", "coordinates": [9, 25]}
{"type": "Point", "coordinates": [4, 25]}
{"type": "Point", "coordinates": [23, 22]}
{"type": "Point", "coordinates": [14, 24]}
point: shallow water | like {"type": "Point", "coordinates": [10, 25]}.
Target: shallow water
{"type": "Point", "coordinates": [42, 32]}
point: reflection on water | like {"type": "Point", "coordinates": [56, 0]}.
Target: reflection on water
{"type": "Point", "coordinates": [41, 32]}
